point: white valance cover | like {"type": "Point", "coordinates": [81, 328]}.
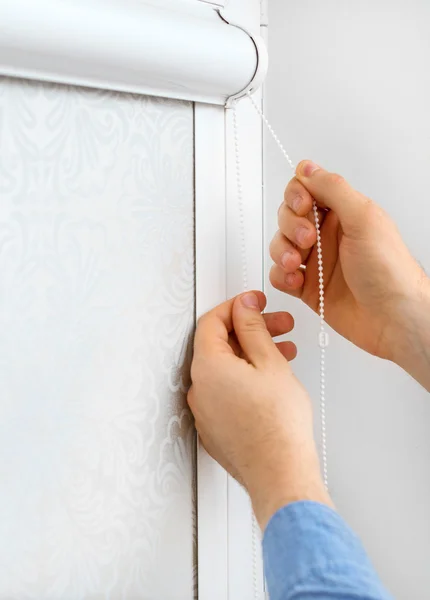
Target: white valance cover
{"type": "Point", "coordinates": [179, 50]}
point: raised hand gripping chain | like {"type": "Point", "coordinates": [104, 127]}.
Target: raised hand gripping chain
{"type": "Point", "coordinates": [323, 338]}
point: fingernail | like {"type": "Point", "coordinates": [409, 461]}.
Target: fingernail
{"type": "Point", "coordinates": [285, 258]}
{"type": "Point", "coordinates": [250, 301]}
{"type": "Point", "coordinates": [301, 235]}
{"type": "Point", "coordinates": [308, 168]}
{"type": "Point", "coordinates": [296, 203]}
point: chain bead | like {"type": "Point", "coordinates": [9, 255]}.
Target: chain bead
{"type": "Point", "coordinates": [242, 234]}
{"type": "Point", "coordinates": [323, 338]}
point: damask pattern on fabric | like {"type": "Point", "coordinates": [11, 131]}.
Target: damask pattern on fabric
{"type": "Point", "coordinates": [97, 448]}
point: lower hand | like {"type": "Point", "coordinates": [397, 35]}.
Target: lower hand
{"type": "Point", "coordinates": [252, 414]}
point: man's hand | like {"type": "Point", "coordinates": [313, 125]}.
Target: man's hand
{"type": "Point", "coordinates": [252, 414]}
{"type": "Point", "coordinates": [376, 294]}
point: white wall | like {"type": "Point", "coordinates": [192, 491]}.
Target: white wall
{"type": "Point", "coordinates": [349, 87]}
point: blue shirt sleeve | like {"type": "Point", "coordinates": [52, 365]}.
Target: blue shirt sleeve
{"type": "Point", "coordinates": [310, 553]}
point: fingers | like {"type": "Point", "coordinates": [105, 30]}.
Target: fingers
{"type": "Point", "coordinates": [290, 283]}
{"type": "Point", "coordinates": [284, 254]}
{"type": "Point", "coordinates": [214, 327]}
{"type": "Point", "coordinates": [298, 230]}
{"type": "Point", "coordinates": [278, 323]}
{"type": "Point", "coordinates": [288, 350]}
{"type": "Point", "coordinates": [224, 328]}
{"type": "Point", "coordinates": [296, 227]}
{"type": "Point", "coordinates": [251, 331]}
{"type": "Point", "coordinates": [298, 198]}
{"type": "Point", "coordinates": [332, 191]}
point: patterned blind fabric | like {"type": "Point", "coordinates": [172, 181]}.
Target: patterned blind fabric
{"type": "Point", "coordinates": [97, 468]}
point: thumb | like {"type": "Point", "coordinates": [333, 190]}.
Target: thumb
{"type": "Point", "coordinates": [251, 331]}
{"type": "Point", "coordinates": [332, 191]}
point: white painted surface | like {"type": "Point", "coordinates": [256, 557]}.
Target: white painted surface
{"type": "Point", "coordinates": [245, 562]}
{"type": "Point", "coordinates": [349, 86]}
{"type": "Point", "coordinates": [230, 565]}
{"type": "Point", "coordinates": [97, 448]}
{"type": "Point", "coordinates": [150, 47]}
{"type": "Point", "coordinates": [211, 275]}
{"type": "Point", "coordinates": [245, 12]}
{"type": "Point", "coordinates": [217, 3]}
{"type": "Point", "coordinates": [225, 538]}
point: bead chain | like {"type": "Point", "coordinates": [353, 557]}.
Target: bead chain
{"type": "Point", "coordinates": [323, 343]}
{"type": "Point", "coordinates": [323, 338]}
{"type": "Point", "coordinates": [242, 235]}
{"type": "Point", "coordinates": [241, 208]}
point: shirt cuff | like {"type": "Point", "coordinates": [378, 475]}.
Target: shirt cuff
{"type": "Point", "coordinates": [308, 548]}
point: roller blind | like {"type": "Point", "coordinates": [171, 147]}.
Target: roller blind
{"type": "Point", "coordinates": [96, 313]}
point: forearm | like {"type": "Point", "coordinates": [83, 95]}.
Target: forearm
{"type": "Point", "coordinates": [291, 476]}
{"type": "Point", "coordinates": [411, 350]}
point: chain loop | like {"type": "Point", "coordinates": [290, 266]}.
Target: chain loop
{"type": "Point", "coordinates": [323, 338]}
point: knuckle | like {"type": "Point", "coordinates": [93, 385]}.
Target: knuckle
{"type": "Point", "coordinates": [298, 203]}
{"type": "Point", "coordinates": [254, 325]}
{"type": "Point", "coordinates": [373, 207]}
{"type": "Point", "coordinates": [198, 370]}
{"type": "Point", "coordinates": [273, 276]}
{"type": "Point", "coordinates": [273, 247]}
{"type": "Point", "coordinates": [292, 186]}
{"type": "Point", "coordinates": [374, 214]}
{"type": "Point", "coordinates": [194, 372]}
{"type": "Point", "coordinates": [286, 222]}
{"type": "Point", "coordinates": [201, 321]}
{"type": "Point", "coordinates": [371, 210]}
{"type": "Point", "coordinates": [334, 179]}
{"type": "Point", "coordinates": [281, 210]}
